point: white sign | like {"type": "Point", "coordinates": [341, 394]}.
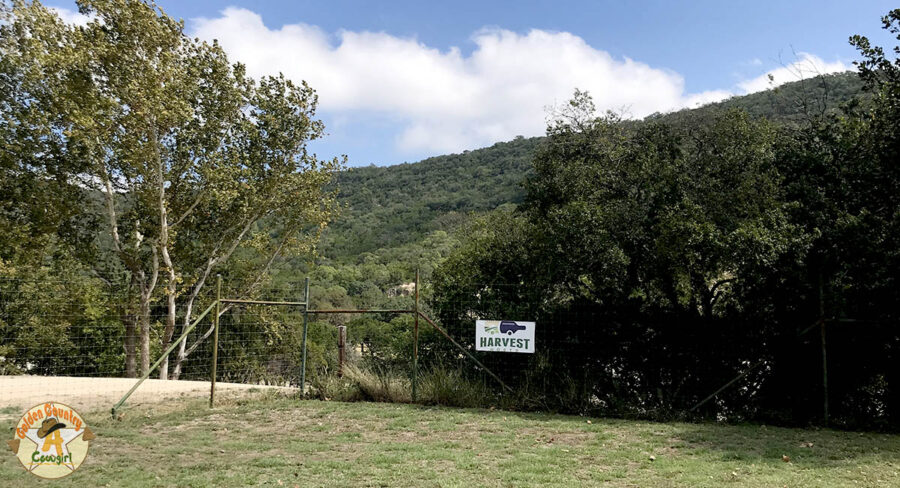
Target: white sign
{"type": "Point", "coordinates": [504, 336]}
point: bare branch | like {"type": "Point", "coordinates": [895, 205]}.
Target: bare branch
{"type": "Point", "coordinates": [206, 334]}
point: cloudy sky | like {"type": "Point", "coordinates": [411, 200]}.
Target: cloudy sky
{"type": "Point", "coordinates": [400, 81]}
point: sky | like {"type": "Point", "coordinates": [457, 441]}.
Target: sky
{"type": "Point", "coordinates": [402, 81]}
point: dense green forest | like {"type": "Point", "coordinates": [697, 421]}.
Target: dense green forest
{"type": "Point", "coordinates": [391, 206]}
{"type": "Point", "coordinates": [666, 258]}
{"type": "Point", "coordinates": [662, 257]}
{"type": "Point", "coordinates": [394, 205]}
{"type": "Point", "coordinates": [397, 219]}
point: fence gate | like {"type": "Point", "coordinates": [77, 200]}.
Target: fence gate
{"type": "Point", "coordinates": [258, 343]}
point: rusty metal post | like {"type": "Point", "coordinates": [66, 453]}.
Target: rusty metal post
{"type": "Point", "coordinates": [342, 342]}
{"type": "Point", "coordinates": [415, 371]}
{"type": "Point", "coordinates": [303, 342]}
{"type": "Point", "coordinates": [215, 341]}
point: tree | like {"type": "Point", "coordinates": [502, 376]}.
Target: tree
{"type": "Point", "coordinates": [674, 215]}
{"type": "Point", "coordinates": [190, 154]}
{"type": "Point", "coordinates": [637, 245]}
{"type": "Point", "coordinates": [37, 201]}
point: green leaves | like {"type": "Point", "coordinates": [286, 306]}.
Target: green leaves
{"type": "Point", "coordinates": [201, 169]}
{"type": "Point", "coordinates": [131, 100]}
{"type": "Point", "coordinates": [658, 212]}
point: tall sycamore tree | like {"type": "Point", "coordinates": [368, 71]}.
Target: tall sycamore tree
{"type": "Point", "coordinates": [190, 154]}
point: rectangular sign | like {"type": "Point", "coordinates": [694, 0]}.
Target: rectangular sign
{"type": "Point", "coordinates": [504, 336]}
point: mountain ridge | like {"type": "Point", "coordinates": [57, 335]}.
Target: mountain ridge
{"type": "Point", "coordinates": [393, 206]}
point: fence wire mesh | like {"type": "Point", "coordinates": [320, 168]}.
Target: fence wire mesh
{"type": "Point", "coordinates": [590, 362]}
{"type": "Point", "coordinates": [79, 341]}
{"type": "Point", "coordinates": [70, 340]}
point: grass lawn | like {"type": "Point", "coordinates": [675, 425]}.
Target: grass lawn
{"type": "Point", "coordinates": [271, 441]}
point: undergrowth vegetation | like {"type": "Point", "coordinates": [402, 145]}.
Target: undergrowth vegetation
{"type": "Point", "coordinates": [438, 385]}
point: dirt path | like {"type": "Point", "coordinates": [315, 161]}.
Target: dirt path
{"type": "Point", "coordinates": [23, 391]}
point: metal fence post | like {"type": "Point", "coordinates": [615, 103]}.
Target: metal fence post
{"type": "Point", "coordinates": [342, 342]}
{"type": "Point", "coordinates": [215, 341]}
{"type": "Point", "coordinates": [162, 356]}
{"type": "Point", "coordinates": [824, 371]}
{"type": "Point", "coordinates": [303, 343]}
{"type": "Point", "coordinates": [824, 356]}
{"type": "Point", "coordinates": [415, 371]}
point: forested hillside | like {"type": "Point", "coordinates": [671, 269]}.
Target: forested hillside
{"type": "Point", "coordinates": [395, 205]}
{"type": "Point", "coordinates": [391, 206]}
{"type": "Point", "coordinates": [791, 102]}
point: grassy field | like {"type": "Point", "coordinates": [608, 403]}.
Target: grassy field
{"type": "Point", "coordinates": [276, 441]}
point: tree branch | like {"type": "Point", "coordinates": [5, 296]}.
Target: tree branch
{"type": "Point", "coordinates": [288, 235]}
{"type": "Point", "coordinates": [715, 294]}
{"type": "Point", "coordinates": [188, 211]}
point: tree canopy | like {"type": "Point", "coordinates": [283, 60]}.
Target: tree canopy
{"type": "Point", "coordinates": [189, 154]}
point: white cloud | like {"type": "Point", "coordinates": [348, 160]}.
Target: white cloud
{"type": "Point", "coordinates": [444, 100]}
{"type": "Point", "coordinates": [698, 99]}
{"type": "Point", "coordinates": [806, 66]}
{"type": "Point", "coordinates": [71, 16]}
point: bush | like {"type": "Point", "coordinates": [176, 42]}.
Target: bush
{"type": "Point", "coordinates": [446, 386]}
{"type": "Point", "coordinates": [328, 387]}
{"type": "Point", "coordinates": [385, 385]}
{"type": "Point", "coordinates": [439, 385]}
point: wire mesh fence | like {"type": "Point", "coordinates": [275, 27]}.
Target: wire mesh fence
{"type": "Point", "coordinates": [588, 361]}
{"type": "Point", "coordinates": [49, 336]}
{"type": "Point", "coordinates": [258, 344]}
{"type": "Point", "coordinates": [79, 341]}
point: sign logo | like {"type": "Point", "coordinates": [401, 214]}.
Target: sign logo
{"type": "Point", "coordinates": [504, 336]}
{"type": "Point", "coordinates": [51, 440]}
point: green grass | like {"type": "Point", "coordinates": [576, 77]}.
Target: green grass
{"type": "Point", "coordinates": [270, 441]}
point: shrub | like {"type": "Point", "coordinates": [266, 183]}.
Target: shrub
{"type": "Point", "coordinates": [380, 385]}
{"type": "Point", "coordinates": [447, 386]}
{"type": "Point", "coordinates": [329, 387]}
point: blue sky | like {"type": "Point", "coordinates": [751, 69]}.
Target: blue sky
{"type": "Point", "coordinates": [400, 81]}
